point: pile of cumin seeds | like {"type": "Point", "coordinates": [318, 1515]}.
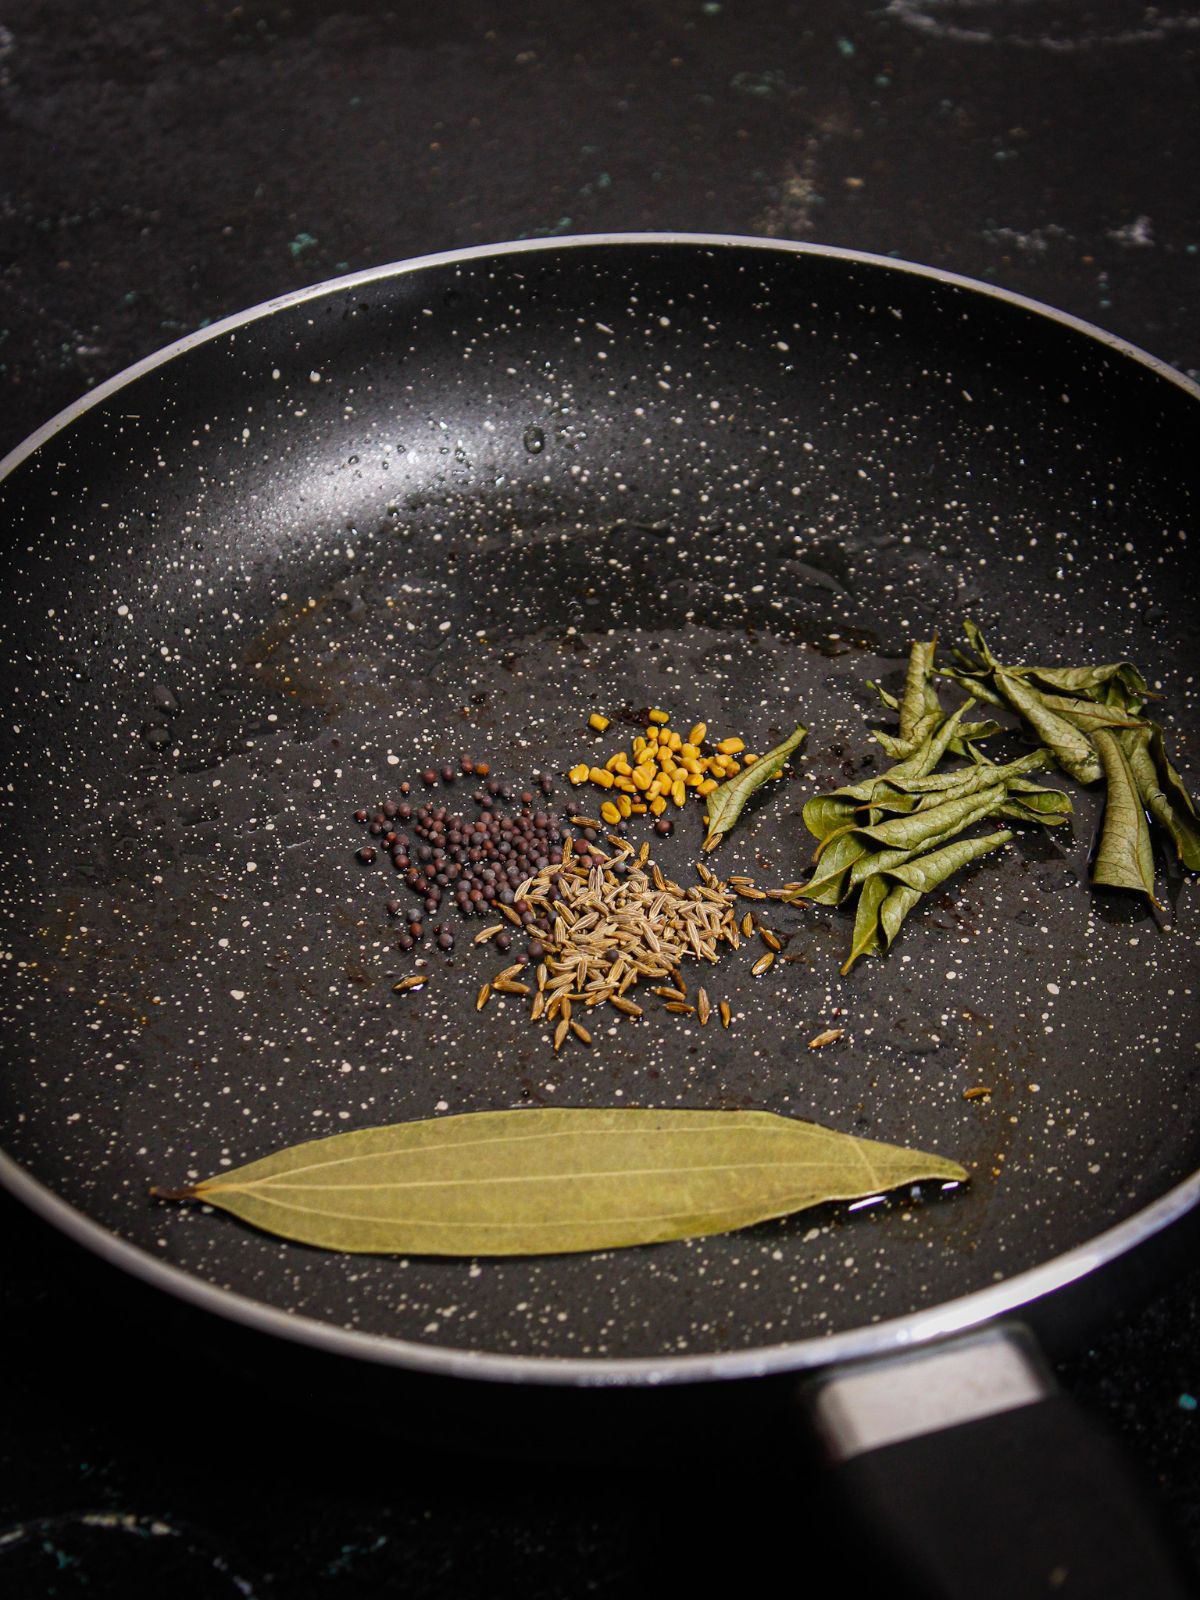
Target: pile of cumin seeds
{"type": "Point", "coordinates": [616, 921]}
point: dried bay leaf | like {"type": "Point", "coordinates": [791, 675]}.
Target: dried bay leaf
{"type": "Point", "coordinates": [551, 1180]}
{"type": "Point", "coordinates": [726, 801]}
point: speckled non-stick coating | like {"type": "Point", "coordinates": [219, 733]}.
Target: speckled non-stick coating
{"type": "Point", "coordinates": [454, 511]}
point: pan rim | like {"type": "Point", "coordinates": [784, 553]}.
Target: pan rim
{"type": "Point", "coordinates": [933, 1322]}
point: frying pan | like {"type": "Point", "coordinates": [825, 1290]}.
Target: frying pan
{"type": "Point", "coordinates": [452, 506]}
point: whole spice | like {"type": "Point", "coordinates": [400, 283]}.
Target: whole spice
{"type": "Point", "coordinates": [620, 922]}
{"type": "Point", "coordinates": [549, 1180]}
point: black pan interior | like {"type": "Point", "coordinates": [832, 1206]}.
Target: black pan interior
{"type": "Point", "coordinates": [452, 511]}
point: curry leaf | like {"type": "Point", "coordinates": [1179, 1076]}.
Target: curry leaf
{"type": "Point", "coordinates": [1162, 791]}
{"type": "Point", "coordinates": [1072, 748]}
{"type": "Point", "coordinates": [894, 893]}
{"type": "Point", "coordinates": [1125, 859]}
{"type": "Point", "coordinates": [549, 1180]}
{"type": "Point", "coordinates": [726, 801]}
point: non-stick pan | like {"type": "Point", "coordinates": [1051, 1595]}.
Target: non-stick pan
{"type": "Point", "coordinates": [450, 508]}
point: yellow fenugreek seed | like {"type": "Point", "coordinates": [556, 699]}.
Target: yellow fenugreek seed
{"type": "Point", "coordinates": [675, 742]}
{"type": "Point", "coordinates": [748, 761]}
{"type": "Point", "coordinates": [638, 809]}
{"type": "Point", "coordinates": [626, 785]}
{"type": "Point", "coordinates": [678, 791]}
{"type": "Point", "coordinates": [696, 737]}
{"type": "Point", "coordinates": [730, 747]}
{"type": "Point", "coordinates": [693, 779]}
{"type": "Point", "coordinates": [624, 805]}
{"type": "Point", "coordinates": [659, 716]}
{"type": "Point", "coordinates": [651, 736]}
{"type": "Point", "coordinates": [706, 787]}
{"type": "Point", "coordinates": [688, 749]}
{"type": "Point", "coordinates": [598, 722]}
{"type": "Point", "coordinates": [579, 774]}
{"type": "Point", "coordinates": [600, 776]}
{"type": "Point", "coordinates": [657, 806]}
{"type": "Point", "coordinates": [610, 813]}
{"type": "Point", "coordinates": [731, 767]}
{"type": "Point", "coordinates": [689, 763]}
{"type": "Point", "coordinates": [620, 763]}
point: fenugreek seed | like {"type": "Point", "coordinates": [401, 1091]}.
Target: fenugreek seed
{"type": "Point", "coordinates": [726, 1014]}
{"type": "Point", "coordinates": [659, 717]}
{"type": "Point", "coordinates": [698, 734]}
{"type": "Point", "coordinates": [481, 999]}
{"type": "Point", "coordinates": [827, 1037]}
{"type": "Point", "coordinates": [768, 938]}
{"type": "Point", "coordinates": [763, 962]}
{"type": "Point", "coordinates": [598, 722]}
{"type": "Point", "coordinates": [627, 1006]}
{"type": "Point", "coordinates": [580, 1032]}
{"type": "Point", "coordinates": [488, 933]}
{"type": "Point", "coordinates": [417, 981]}
{"type": "Point", "coordinates": [702, 1006]}
{"type": "Point", "coordinates": [560, 1033]}
{"type": "Point", "coordinates": [681, 1008]}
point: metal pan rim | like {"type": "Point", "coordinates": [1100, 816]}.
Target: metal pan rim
{"type": "Point", "coordinates": [953, 1316]}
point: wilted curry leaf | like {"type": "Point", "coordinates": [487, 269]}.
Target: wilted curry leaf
{"type": "Point", "coordinates": [889, 896]}
{"type": "Point", "coordinates": [726, 801]}
{"type": "Point", "coordinates": [1162, 791]}
{"type": "Point", "coordinates": [545, 1181]}
{"type": "Point", "coordinates": [1124, 859]}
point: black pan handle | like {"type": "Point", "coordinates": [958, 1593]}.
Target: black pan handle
{"type": "Point", "coordinates": [981, 1480]}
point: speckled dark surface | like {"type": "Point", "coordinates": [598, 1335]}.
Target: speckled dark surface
{"type": "Point", "coordinates": [882, 131]}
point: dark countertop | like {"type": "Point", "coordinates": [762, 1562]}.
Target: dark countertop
{"type": "Point", "coordinates": [164, 165]}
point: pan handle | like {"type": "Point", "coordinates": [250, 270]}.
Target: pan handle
{"type": "Point", "coordinates": [982, 1480]}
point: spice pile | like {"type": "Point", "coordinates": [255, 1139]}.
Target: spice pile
{"type": "Point", "coordinates": [476, 862]}
{"type": "Point", "coordinates": [614, 922]}
{"type": "Point", "coordinates": [660, 768]}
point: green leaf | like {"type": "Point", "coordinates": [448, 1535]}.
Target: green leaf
{"type": "Point", "coordinates": [1088, 714]}
{"type": "Point", "coordinates": [1073, 750]}
{"type": "Point", "coordinates": [1125, 859]}
{"type": "Point", "coordinates": [726, 801]}
{"type": "Point", "coordinates": [896, 891]}
{"type": "Point", "coordinates": [1116, 683]}
{"type": "Point", "coordinates": [920, 700]}
{"type": "Point", "coordinates": [865, 939]}
{"type": "Point", "coordinates": [545, 1181]}
{"type": "Point", "coordinates": [1162, 792]}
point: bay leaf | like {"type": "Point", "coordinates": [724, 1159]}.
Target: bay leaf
{"type": "Point", "coordinates": [552, 1180]}
{"type": "Point", "coordinates": [1125, 858]}
{"type": "Point", "coordinates": [726, 801]}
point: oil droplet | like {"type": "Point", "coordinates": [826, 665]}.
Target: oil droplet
{"type": "Point", "coordinates": [535, 441]}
